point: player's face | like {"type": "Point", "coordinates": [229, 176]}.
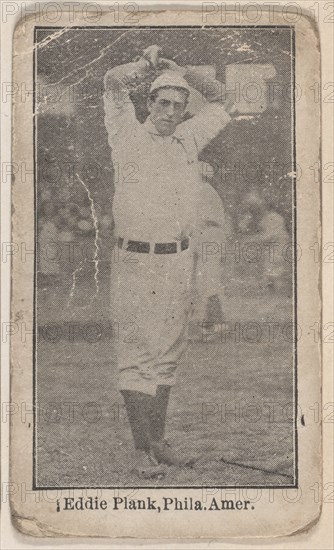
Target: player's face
{"type": "Point", "coordinates": [168, 109]}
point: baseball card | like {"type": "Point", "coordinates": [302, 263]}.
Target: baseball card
{"type": "Point", "coordinates": [166, 300]}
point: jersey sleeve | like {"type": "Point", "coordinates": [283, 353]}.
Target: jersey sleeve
{"type": "Point", "coordinates": [207, 124]}
{"type": "Point", "coordinates": [120, 117]}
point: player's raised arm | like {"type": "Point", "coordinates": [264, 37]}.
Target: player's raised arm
{"type": "Point", "coordinates": [215, 113]}
{"type": "Point", "coordinates": [118, 83]}
{"type": "Point", "coordinates": [201, 80]}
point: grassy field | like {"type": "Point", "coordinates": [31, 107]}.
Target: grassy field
{"type": "Point", "coordinates": [231, 407]}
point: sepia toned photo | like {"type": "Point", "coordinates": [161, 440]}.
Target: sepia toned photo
{"type": "Point", "coordinates": [164, 299]}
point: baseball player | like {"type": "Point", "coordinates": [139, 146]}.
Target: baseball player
{"type": "Point", "coordinates": [155, 209]}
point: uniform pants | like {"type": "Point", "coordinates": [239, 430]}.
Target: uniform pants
{"type": "Point", "coordinates": [150, 305]}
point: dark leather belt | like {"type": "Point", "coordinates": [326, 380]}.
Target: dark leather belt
{"type": "Point", "coordinates": [159, 248]}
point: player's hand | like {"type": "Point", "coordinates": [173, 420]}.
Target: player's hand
{"type": "Point", "coordinates": [169, 64]}
{"type": "Point", "coordinates": [151, 54]}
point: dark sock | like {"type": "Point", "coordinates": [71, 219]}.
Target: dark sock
{"type": "Point", "coordinates": [140, 409]}
{"type": "Point", "coordinates": [158, 418]}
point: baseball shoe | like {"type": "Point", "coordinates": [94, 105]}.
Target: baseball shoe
{"type": "Point", "coordinates": [146, 466]}
{"type": "Point", "coordinates": [166, 455]}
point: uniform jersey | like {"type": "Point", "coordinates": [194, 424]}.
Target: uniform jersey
{"type": "Point", "coordinates": [157, 179]}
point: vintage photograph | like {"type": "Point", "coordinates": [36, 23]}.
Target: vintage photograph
{"type": "Point", "coordinates": [165, 326]}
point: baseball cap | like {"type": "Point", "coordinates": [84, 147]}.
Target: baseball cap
{"type": "Point", "coordinates": [170, 79]}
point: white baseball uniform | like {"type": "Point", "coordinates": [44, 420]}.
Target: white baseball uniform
{"type": "Point", "coordinates": [157, 198]}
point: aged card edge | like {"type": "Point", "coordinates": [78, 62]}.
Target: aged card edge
{"type": "Point", "coordinates": [304, 528]}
